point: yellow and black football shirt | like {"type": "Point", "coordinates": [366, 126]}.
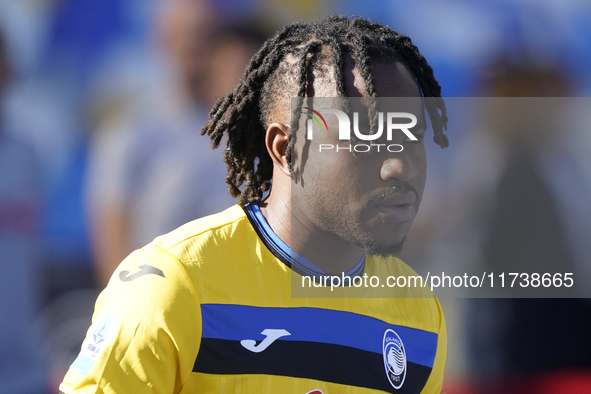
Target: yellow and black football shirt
{"type": "Point", "coordinates": [207, 308]}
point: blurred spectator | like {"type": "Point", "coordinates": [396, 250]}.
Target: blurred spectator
{"type": "Point", "coordinates": [20, 216]}
{"type": "Point", "coordinates": [516, 199]}
{"type": "Point", "coordinates": [232, 51]}
{"type": "Point", "coordinates": [62, 45]}
{"type": "Point", "coordinates": [518, 202]}
{"type": "Point", "coordinates": [150, 170]}
{"type": "Point", "coordinates": [530, 225]}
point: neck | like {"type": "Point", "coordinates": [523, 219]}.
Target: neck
{"type": "Point", "coordinates": [327, 251]}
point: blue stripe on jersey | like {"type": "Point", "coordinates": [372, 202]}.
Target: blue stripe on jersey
{"type": "Point", "coordinates": [238, 322]}
{"type": "Point", "coordinates": [254, 212]}
{"type": "Point", "coordinates": [299, 263]}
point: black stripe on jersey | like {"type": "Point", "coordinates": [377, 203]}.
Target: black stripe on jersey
{"type": "Point", "coordinates": [312, 360]}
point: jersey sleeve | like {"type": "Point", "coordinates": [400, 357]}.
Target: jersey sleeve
{"type": "Point", "coordinates": [145, 330]}
{"type": "Point", "coordinates": [435, 382]}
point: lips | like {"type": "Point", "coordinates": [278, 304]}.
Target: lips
{"type": "Point", "coordinates": [398, 207]}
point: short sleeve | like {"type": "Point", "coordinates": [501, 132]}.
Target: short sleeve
{"type": "Point", "coordinates": [145, 332]}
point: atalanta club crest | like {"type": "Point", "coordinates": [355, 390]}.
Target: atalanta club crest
{"type": "Point", "coordinates": [394, 358]}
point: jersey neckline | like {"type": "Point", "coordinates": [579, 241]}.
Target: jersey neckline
{"type": "Point", "coordinates": [284, 253]}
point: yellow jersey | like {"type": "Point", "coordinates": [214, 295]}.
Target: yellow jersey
{"type": "Point", "coordinates": [208, 308]}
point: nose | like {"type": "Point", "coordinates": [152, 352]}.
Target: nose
{"type": "Point", "coordinates": [401, 168]}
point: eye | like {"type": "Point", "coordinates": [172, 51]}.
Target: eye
{"type": "Point", "coordinates": [420, 138]}
{"type": "Point", "coordinates": [419, 132]}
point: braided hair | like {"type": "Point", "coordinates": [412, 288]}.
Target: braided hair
{"type": "Point", "coordinates": [281, 69]}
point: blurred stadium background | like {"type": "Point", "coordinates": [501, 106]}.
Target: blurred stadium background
{"type": "Point", "coordinates": [101, 102]}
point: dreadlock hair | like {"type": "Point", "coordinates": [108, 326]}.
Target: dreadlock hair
{"type": "Point", "coordinates": [281, 69]}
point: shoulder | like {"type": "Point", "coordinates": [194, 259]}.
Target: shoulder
{"type": "Point", "coordinates": [205, 225]}
{"type": "Point", "coordinates": [214, 232]}
{"type": "Point", "coordinates": [164, 260]}
{"type": "Point", "coordinates": [149, 279]}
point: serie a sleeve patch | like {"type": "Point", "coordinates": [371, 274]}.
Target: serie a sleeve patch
{"type": "Point", "coordinates": [100, 336]}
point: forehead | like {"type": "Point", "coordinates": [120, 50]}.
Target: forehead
{"type": "Point", "coordinates": [390, 79]}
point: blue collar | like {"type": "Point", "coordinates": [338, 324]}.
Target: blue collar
{"type": "Point", "coordinates": [284, 253]}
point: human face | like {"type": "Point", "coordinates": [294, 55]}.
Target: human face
{"type": "Point", "coordinates": [366, 199]}
{"type": "Point", "coordinates": [187, 28]}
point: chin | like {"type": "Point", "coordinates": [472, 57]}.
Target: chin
{"type": "Point", "coordinates": [385, 250]}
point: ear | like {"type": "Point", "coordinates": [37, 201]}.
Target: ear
{"type": "Point", "coordinates": [277, 142]}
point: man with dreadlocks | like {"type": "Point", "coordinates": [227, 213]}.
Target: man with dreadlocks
{"type": "Point", "coordinates": [208, 308]}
